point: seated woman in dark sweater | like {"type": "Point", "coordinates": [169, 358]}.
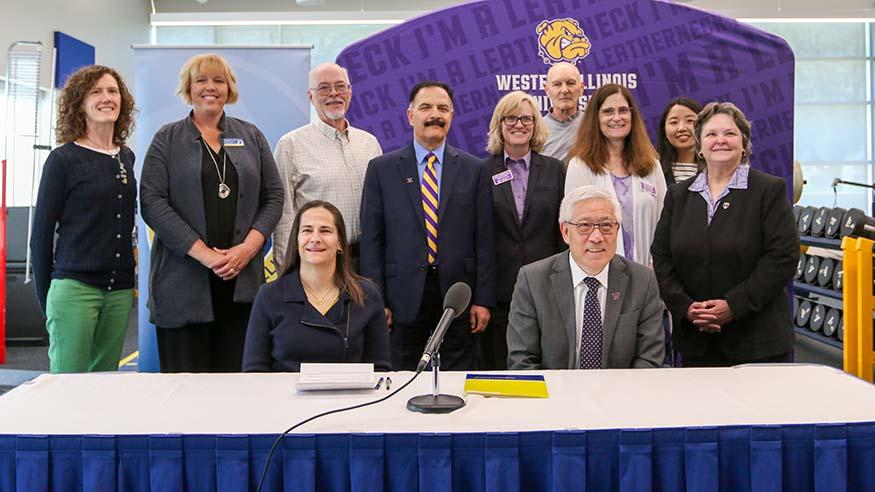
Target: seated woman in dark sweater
{"type": "Point", "coordinates": [318, 310]}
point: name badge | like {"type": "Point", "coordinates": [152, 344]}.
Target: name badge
{"type": "Point", "coordinates": [502, 177]}
{"type": "Point", "coordinates": [648, 188]}
{"type": "Point", "coordinates": [233, 142]}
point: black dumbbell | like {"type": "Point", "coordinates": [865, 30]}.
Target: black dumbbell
{"type": "Point", "coordinates": [837, 276]}
{"type": "Point", "coordinates": [818, 223]}
{"type": "Point", "coordinates": [803, 314]}
{"type": "Point", "coordinates": [811, 269]}
{"type": "Point", "coordinates": [824, 274]}
{"type": "Point", "coordinates": [797, 211]}
{"type": "Point", "coordinates": [818, 312]}
{"type": "Point", "coordinates": [834, 223]}
{"type": "Point", "coordinates": [805, 219]}
{"type": "Point", "coordinates": [856, 223]}
{"type": "Point", "coordinates": [800, 267]}
{"type": "Point", "coordinates": [832, 322]}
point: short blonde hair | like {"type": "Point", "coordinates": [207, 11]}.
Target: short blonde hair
{"type": "Point", "coordinates": [507, 105]}
{"type": "Point", "coordinates": [209, 63]}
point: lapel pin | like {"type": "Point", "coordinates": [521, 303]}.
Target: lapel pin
{"type": "Point", "coordinates": [725, 205]}
{"type": "Point", "coordinates": [408, 180]}
{"type": "Point", "coordinates": [615, 296]}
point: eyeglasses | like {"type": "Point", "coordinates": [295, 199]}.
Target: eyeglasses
{"type": "Point", "coordinates": [622, 111]}
{"type": "Point", "coordinates": [340, 88]}
{"type": "Point", "coordinates": [586, 228]}
{"type": "Point", "coordinates": [512, 120]}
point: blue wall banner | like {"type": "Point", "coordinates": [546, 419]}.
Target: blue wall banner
{"type": "Point", "coordinates": [72, 54]}
{"type": "Point", "coordinates": [658, 49]}
{"type": "Point", "coordinates": [272, 81]}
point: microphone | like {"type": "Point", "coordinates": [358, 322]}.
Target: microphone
{"type": "Point", "coordinates": [836, 182]}
{"type": "Point", "coordinates": [455, 302]}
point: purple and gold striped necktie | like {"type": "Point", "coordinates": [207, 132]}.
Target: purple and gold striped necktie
{"type": "Point", "coordinates": [430, 206]}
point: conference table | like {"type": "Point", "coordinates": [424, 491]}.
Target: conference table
{"type": "Point", "coordinates": [747, 428]}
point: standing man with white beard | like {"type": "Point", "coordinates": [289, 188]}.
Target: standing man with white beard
{"type": "Point", "coordinates": [324, 160]}
{"type": "Point", "coordinates": [564, 89]}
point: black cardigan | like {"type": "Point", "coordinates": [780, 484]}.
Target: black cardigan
{"type": "Point", "coordinates": [93, 211]}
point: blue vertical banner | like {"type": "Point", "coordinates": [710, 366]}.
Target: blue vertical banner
{"type": "Point", "coordinates": [272, 81]}
{"type": "Point", "coordinates": [72, 54]}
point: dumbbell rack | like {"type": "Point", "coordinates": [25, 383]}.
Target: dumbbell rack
{"type": "Point", "coordinates": [819, 295]}
{"type": "Point", "coordinates": [859, 302]}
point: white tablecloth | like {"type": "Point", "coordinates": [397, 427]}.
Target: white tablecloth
{"type": "Point", "coordinates": [130, 403]}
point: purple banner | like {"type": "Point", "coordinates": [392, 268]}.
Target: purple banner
{"type": "Point", "coordinates": [659, 50]}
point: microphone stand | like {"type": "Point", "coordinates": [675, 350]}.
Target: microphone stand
{"type": "Point", "coordinates": [435, 402]}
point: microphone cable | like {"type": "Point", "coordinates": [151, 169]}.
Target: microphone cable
{"type": "Point", "coordinates": [279, 438]}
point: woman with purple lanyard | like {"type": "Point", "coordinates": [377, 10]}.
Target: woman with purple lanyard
{"type": "Point", "coordinates": [612, 151]}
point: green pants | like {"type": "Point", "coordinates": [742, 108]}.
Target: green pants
{"type": "Point", "coordinates": [86, 326]}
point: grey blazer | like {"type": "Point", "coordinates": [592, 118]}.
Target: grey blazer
{"type": "Point", "coordinates": [172, 204]}
{"type": "Point", "coordinates": [541, 331]}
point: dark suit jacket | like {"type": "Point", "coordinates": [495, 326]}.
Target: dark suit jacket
{"type": "Point", "coordinates": [747, 256]}
{"type": "Point", "coordinates": [538, 236]}
{"type": "Point", "coordinates": [393, 248]}
{"type": "Point", "coordinates": [285, 330]}
{"type": "Point", "coordinates": [542, 329]}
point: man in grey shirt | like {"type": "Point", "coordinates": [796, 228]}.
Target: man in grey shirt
{"type": "Point", "coordinates": [564, 89]}
{"type": "Point", "coordinates": [324, 160]}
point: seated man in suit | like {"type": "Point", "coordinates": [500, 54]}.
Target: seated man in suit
{"type": "Point", "coordinates": [556, 319]}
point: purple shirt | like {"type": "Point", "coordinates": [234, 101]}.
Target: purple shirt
{"type": "Point", "coordinates": [623, 189]}
{"type": "Point", "coordinates": [520, 182]}
{"type": "Point", "coordinates": [737, 181]}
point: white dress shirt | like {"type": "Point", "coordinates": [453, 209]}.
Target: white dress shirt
{"type": "Point", "coordinates": [580, 291]}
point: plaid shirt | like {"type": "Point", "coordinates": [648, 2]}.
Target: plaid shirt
{"type": "Point", "coordinates": [318, 162]}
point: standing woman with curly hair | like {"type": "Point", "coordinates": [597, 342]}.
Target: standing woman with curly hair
{"type": "Point", "coordinates": [87, 194]}
{"type": "Point", "coordinates": [612, 151]}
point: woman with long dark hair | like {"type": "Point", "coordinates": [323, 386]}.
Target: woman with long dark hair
{"type": "Point", "coordinates": [85, 280]}
{"type": "Point", "coordinates": [675, 141]}
{"type": "Point", "coordinates": [319, 310]}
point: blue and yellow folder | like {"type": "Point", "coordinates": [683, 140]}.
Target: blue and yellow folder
{"type": "Point", "coordinates": [529, 386]}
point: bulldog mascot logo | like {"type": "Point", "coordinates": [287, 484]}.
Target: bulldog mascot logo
{"type": "Point", "coordinates": [562, 40]}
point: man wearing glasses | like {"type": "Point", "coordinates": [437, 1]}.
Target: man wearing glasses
{"type": "Point", "coordinates": [324, 160]}
{"type": "Point", "coordinates": [586, 308]}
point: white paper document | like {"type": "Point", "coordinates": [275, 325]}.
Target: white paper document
{"type": "Point", "coordinates": [335, 377]}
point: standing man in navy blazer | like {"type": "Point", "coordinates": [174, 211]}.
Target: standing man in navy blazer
{"type": "Point", "coordinates": [426, 224]}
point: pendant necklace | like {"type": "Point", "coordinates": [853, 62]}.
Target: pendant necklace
{"type": "Point", "coordinates": [321, 300]}
{"type": "Point", "coordinates": [122, 175]}
{"type": "Point", "coordinates": [224, 190]}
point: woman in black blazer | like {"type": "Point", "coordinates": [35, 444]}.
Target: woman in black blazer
{"type": "Point", "coordinates": [726, 247]}
{"type": "Point", "coordinates": [318, 310]}
{"type": "Point", "coordinates": [527, 189]}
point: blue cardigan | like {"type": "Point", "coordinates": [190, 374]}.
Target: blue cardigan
{"type": "Point", "coordinates": [286, 330]}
